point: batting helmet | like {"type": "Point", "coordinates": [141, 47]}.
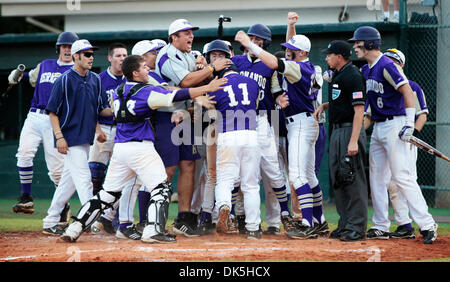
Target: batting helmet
{"type": "Point", "coordinates": [66, 38]}
{"type": "Point", "coordinates": [396, 54]}
{"type": "Point", "coordinates": [263, 32]}
{"type": "Point", "coordinates": [370, 36]}
{"type": "Point", "coordinates": [217, 45]}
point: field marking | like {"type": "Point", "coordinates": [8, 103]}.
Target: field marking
{"type": "Point", "coordinates": [53, 254]}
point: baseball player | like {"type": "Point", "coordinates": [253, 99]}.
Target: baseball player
{"type": "Point", "coordinates": [302, 128]}
{"type": "Point", "coordinates": [134, 154]}
{"type": "Point", "coordinates": [273, 179]}
{"type": "Point", "coordinates": [399, 203]}
{"type": "Point", "coordinates": [100, 152]}
{"type": "Point", "coordinates": [317, 93]}
{"type": "Point", "coordinates": [237, 149]}
{"type": "Point", "coordinates": [177, 65]}
{"type": "Point", "coordinates": [391, 102]}
{"type": "Point", "coordinates": [76, 99]}
{"type": "Point", "coordinates": [148, 50]}
{"type": "Point", "coordinates": [37, 128]}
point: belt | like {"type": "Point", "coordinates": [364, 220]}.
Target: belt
{"type": "Point", "coordinates": [291, 118]}
{"type": "Point", "coordinates": [135, 140]}
{"type": "Point", "coordinates": [39, 111]}
{"type": "Point", "coordinates": [385, 119]}
{"type": "Point", "coordinates": [341, 125]}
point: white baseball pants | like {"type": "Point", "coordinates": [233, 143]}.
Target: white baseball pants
{"type": "Point", "coordinates": [391, 159]}
{"type": "Point", "coordinates": [238, 156]}
{"type": "Point", "coordinates": [37, 129]}
{"type": "Point", "coordinates": [303, 131]}
{"type": "Point", "coordinates": [76, 176]}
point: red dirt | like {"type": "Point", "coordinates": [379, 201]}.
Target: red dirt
{"type": "Point", "coordinates": [36, 247]}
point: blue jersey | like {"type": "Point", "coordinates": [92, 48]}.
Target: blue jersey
{"type": "Point", "coordinates": [263, 75]}
{"type": "Point", "coordinates": [142, 104]}
{"type": "Point", "coordinates": [109, 83]}
{"type": "Point", "coordinates": [383, 79]}
{"type": "Point", "coordinates": [48, 71]}
{"type": "Point", "coordinates": [77, 101]}
{"type": "Point", "coordinates": [237, 103]}
{"type": "Point", "coordinates": [298, 79]}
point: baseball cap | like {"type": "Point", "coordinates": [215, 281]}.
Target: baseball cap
{"type": "Point", "coordinates": [396, 54]}
{"type": "Point", "coordinates": [181, 24]}
{"type": "Point", "coordinates": [161, 43]}
{"type": "Point", "coordinates": [339, 47]}
{"type": "Point", "coordinates": [298, 42]}
{"type": "Point", "coordinates": [143, 47]}
{"type": "Point", "coordinates": [81, 45]}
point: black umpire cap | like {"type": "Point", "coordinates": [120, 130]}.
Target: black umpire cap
{"type": "Point", "coordinates": [339, 47]}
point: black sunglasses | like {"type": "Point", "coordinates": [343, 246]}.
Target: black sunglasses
{"type": "Point", "coordinates": [88, 54]}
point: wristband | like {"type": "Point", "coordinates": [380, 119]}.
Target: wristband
{"type": "Point", "coordinates": [59, 138]}
{"type": "Point", "coordinates": [57, 132]}
{"type": "Point", "coordinates": [410, 116]}
{"type": "Point", "coordinates": [255, 49]}
{"type": "Point", "coordinates": [211, 67]}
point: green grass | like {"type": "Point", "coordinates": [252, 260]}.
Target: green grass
{"type": "Point", "coordinates": [10, 221]}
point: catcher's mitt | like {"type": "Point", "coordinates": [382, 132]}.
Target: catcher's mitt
{"type": "Point", "coordinates": [346, 172]}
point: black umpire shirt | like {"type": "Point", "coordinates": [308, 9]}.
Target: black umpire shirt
{"type": "Point", "coordinates": [346, 90]}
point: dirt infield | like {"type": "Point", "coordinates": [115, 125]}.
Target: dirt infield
{"type": "Point", "coordinates": [36, 247]}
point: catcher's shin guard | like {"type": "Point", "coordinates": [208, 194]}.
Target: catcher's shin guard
{"type": "Point", "coordinates": [94, 208]}
{"type": "Point", "coordinates": [158, 209]}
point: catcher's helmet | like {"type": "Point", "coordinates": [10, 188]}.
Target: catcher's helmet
{"type": "Point", "coordinates": [217, 45]}
{"type": "Point", "coordinates": [370, 36]}
{"type": "Point", "coordinates": [66, 38]}
{"type": "Point", "coordinates": [261, 31]}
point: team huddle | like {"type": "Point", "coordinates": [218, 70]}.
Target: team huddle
{"type": "Point", "coordinates": [118, 137]}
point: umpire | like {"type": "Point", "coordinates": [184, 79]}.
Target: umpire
{"type": "Point", "coordinates": [346, 96]}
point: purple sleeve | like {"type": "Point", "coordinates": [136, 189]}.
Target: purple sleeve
{"type": "Point", "coordinates": [181, 95]}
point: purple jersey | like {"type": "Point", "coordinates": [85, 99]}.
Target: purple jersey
{"type": "Point", "coordinates": [109, 83]}
{"type": "Point", "coordinates": [383, 79]}
{"type": "Point", "coordinates": [298, 78]}
{"type": "Point", "coordinates": [142, 104]}
{"type": "Point", "coordinates": [421, 104]}
{"type": "Point", "coordinates": [263, 75]}
{"type": "Point", "coordinates": [49, 71]}
{"type": "Point", "coordinates": [237, 103]}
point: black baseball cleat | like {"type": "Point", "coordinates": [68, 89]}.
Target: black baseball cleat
{"type": "Point", "coordinates": [241, 224]}
{"type": "Point", "coordinates": [128, 233]}
{"type": "Point", "coordinates": [56, 230]}
{"type": "Point", "coordinates": [185, 228]}
{"type": "Point", "coordinates": [159, 238]}
{"type": "Point", "coordinates": [351, 236]}
{"type": "Point", "coordinates": [302, 232]}
{"type": "Point", "coordinates": [288, 223]}
{"type": "Point", "coordinates": [430, 235]}
{"type": "Point", "coordinates": [102, 225]}
{"type": "Point", "coordinates": [271, 230]}
{"type": "Point", "coordinates": [403, 232]}
{"type": "Point", "coordinates": [321, 229]}
{"type": "Point", "coordinates": [254, 235]}
{"type": "Point", "coordinates": [374, 233]}
{"type": "Point", "coordinates": [206, 227]}
{"type": "Point", "coordinates": [25, 204]}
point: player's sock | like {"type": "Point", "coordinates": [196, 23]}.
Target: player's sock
{"type": "Point", "coordinates": [205, 216]}
{"type": "Point", "coordinates": [125, 225]}
{"type": "Point", "coordinates": [396, 14]}
{"type": "Point", "coordinates": [305, 199]}
{"type": "Point", "coordinates": [234, 196]}
{"type": "Point", "coordinates": [386, 15]}
{"type": "Point", "coordinates": [26, 179]}
{"type": "Point", "coordinates": [143, 202]}
{"type": "Point", "coordinates": [283, 199]}
{"type": "Point", "coordinates": [317, 204]}
{"type": "Point", "coordinates": [409, 226]}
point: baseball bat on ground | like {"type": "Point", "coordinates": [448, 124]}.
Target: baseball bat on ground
{"type": "Point", "coordinates": [428, 148]}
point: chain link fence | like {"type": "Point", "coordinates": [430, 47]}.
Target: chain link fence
{"type": "Point", "coordinates": [426, 44]}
